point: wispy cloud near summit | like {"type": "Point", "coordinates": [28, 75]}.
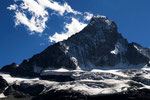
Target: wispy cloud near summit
{"type": "Point", "coordinates": [34, 14]}
{"type": "Point", "coordinates": [72, 28]}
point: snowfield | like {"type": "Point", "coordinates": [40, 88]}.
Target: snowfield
{"type": "Point", "coordinates": [93, 82]}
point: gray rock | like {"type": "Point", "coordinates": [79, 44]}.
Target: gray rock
{"type": "Point", "coordinates": [3, 84]}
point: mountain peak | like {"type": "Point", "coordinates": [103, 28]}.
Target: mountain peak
{"type": "Point", "coordinates": [97, 45]}
{"type": "Point", "coordinates": [101, 22]}
{"type": "Point", "coordinates": [99, 17]}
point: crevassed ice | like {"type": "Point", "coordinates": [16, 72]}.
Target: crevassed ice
{"type": "Point", "coordinates": [96, 81]}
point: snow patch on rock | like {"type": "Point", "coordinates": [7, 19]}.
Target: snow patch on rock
{"type": "Point", "coordinates": [119, 49]}
{"type": "Point", "coordinates": [2, 96]}
{"type": "Point", "coordinates": [37, 69]}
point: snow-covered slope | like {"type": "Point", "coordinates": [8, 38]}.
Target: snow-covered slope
{"type": "Point", "coordinates": [94, 82]}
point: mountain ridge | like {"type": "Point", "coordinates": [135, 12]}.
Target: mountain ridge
{"type": "Point", "coordinates": [99, 44]}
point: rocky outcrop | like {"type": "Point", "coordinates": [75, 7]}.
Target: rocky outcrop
{"type": "Point", "coordinates": [142, 94]}
{"type": "Point", "coordinates": [135, 56]}
{"type": "Point", "coordinates": [3, 84]}
{"type": "Point", "coordinates": [9, 68]}
{"type": "Point", "coordinates": [58, 78]}
{"type": "Point", "coordinates": [22, 91]}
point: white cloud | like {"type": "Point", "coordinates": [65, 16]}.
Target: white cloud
{"type": "Point", "coordinates": [88, 16]}
{"type": "Point", "coordinates": [38, 11]}
{"type": "Point", "coordinates": [34, 8]}
{"type": "Point", "coordinates": [34, 24]}
{"type": "Point", "coordinates": [69, 9]}
{"type": "Point", "coordinates": [34, 14]}
{"type": "Point", "coordinates": [12, 7]}
{"type": "Point", "coordinates": [72, 28]}
{"type": "Point", "coordinates": [58, 7]}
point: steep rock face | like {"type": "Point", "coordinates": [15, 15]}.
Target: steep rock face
{"type": "Point", "coordinates": [97, 45]}
{"type": "Point", "coordinates": [143, 50]}
{"type": "Point", "coordinates": [100, 45]}
{"type": "Point", "coordinates": [135, 56]}
{"type": "Point", "coordinates": [3, 84]}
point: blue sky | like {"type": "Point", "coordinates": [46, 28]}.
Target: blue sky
{"type": "Point", "coordinates": [23, 40]}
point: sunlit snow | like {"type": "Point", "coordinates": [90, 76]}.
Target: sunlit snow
{"type": "Point", "coordinates": [92, 82]}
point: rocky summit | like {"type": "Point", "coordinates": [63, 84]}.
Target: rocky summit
{"type": "Point", "coordinates": [96, 63]}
